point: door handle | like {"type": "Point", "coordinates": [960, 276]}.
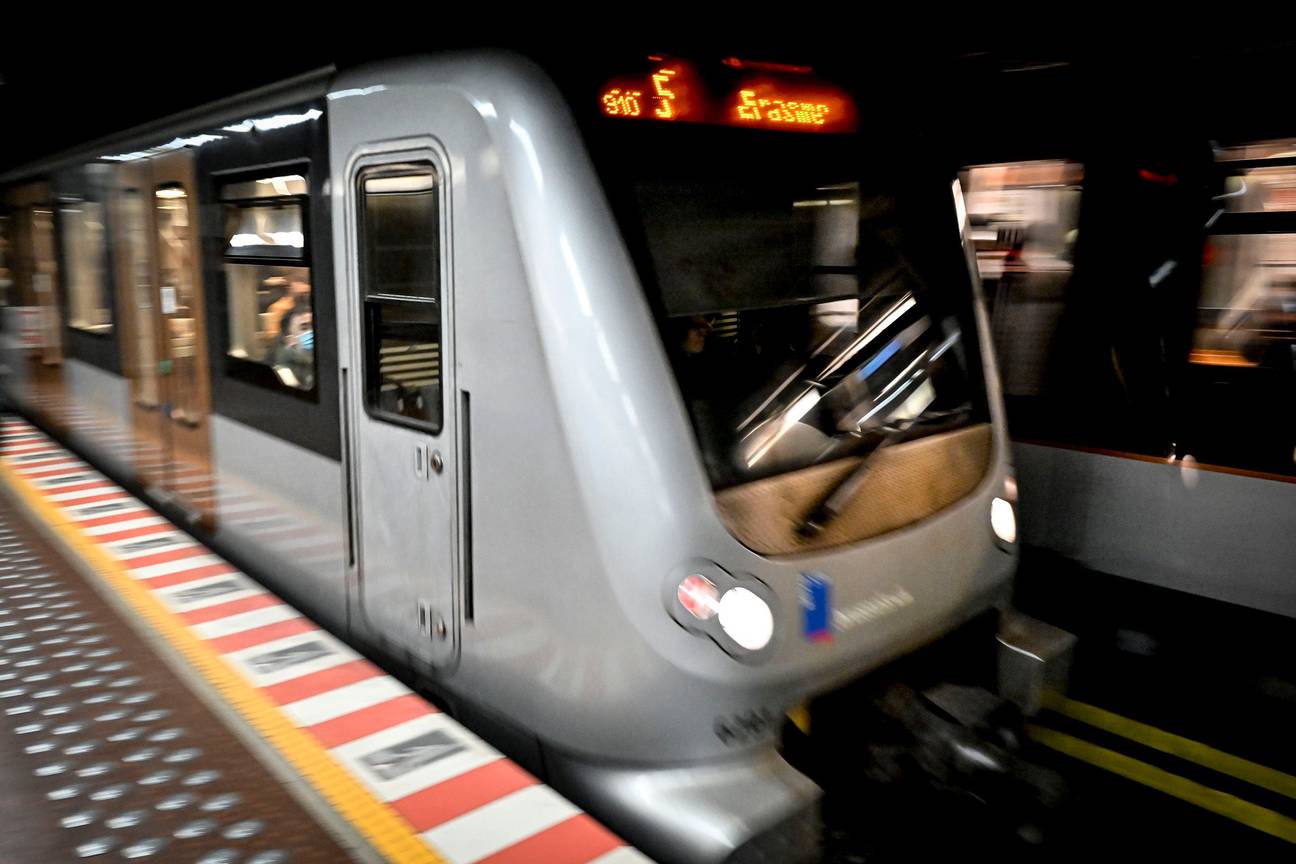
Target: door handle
{"type": "Point", "coordinates": [427, 461]}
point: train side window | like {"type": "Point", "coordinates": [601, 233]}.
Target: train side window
{"type": "Point", "coordinates": [1024, 218]}
{"type": "Point", "coordinates": [1246, 313]}
{"type": "Point", "coordinates": [1242, 362]}
{"type": "Point", "coordinates": [400, 266]}
{"type": "Point", "coordinates": [1247, 304]}
{"type": "Point", "coordinates": [82, 223]}
{"type": "Point", "coordinates": [269, 299]}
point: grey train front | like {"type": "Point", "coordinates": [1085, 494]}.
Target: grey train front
{"type": "Point", "coordinates": [637, 413]}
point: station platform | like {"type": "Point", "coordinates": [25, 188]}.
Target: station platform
{"type": "Point", "coordinates": [155, 702]}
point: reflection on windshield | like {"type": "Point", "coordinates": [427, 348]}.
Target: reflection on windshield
{"type": "Point", "coordinates": [864, 384]}
{"type": "Point", "coordinates": [802, 331]}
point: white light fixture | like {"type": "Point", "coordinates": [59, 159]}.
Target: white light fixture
{"type": "Point", "coordinates": [424, 182]}
{"type": "Point", "coordinates": [295, 239]}
{"type": "Point", "coordinates": [746, 619]}
{"type": "Point", "coordinates": [281, 183]}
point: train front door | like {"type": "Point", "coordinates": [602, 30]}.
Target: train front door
{"type": "Point", "coordinates": [141, 325]}
{"type": "Point", "coordinates": [400, 385]}
{"type": "Point", "coordinates": [179, 394]}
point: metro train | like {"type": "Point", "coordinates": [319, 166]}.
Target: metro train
{"type": "Point", "coordinates": [624, 410]}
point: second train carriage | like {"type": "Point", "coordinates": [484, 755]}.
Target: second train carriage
{"type": "Point", "coordinates": [625, 416]}
{"type": "Point", "coordinates": [1142, 293]}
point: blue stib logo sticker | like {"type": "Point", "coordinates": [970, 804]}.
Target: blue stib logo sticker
{"type": "Point", "coordinates": [816, 607]}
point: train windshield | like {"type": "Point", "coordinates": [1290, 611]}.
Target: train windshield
{"type": "Point", "coordinates": [815, 302]}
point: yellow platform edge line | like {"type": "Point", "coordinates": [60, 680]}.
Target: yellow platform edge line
{"type": "Point", "coordinates": [1176, 745]}
{"type": "Point", "coordinates": [384, 829]}
{"type": "Point", "coordinates": [1221, 803]}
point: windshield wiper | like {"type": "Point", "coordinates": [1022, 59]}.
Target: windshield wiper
{"type": "Point", "coordinates": [840, 496]}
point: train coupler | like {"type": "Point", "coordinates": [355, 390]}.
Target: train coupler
{"type": "Point", "coordinates": [1034, 661]}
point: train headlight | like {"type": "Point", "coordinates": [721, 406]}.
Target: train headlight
{"type": "Point", "coordinates": [735, 611]}
{"type": "Point", "coordinates": [746, 619]}
{"type": "Point", "coordinates": [1003, 520]}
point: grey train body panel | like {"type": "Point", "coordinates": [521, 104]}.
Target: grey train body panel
{"type": "Point", "coordinates": [578, 495]}
{"type": "Point", "coordinates": [1171, 525]}
{"type": "Point", "coordinates": [103, 396]}
{"type": "Point", "coordinates": [281, 505]}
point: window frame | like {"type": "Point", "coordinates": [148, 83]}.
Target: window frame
{"type": "Point", "coordinates": [254, 372]}
{"type": "Point", "coordinates": [399, 165]}
{"type": "Point", "coordinates": [314, 423]}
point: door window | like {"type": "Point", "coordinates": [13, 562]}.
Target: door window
{"type": "Point", "coordinates": [400, 271]}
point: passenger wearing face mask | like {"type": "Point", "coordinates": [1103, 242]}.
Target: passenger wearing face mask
{"type": "Point", "coordinates": [295, 356]}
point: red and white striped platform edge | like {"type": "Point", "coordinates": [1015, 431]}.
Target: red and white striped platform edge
{"type": "Point", "coordinates": [463, 798]}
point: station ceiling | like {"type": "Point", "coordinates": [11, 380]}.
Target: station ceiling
{"type": "Point", "coordinates": [53, 100]}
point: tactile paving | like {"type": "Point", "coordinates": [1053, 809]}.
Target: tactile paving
{"type": "Point", "coordinates": [412, 781]}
